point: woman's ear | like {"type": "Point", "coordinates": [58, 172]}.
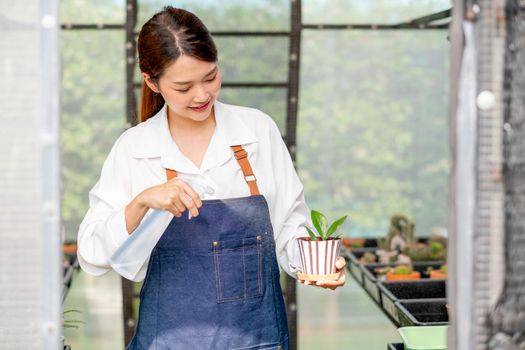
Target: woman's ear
{"type": "Point", "coordinates": [151, 84]}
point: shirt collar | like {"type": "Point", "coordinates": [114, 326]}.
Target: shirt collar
{"type": "Point", "coordinates": [155, 140]}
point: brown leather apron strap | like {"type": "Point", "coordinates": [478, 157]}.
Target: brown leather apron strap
{"type": "Point", "coordinates": [170, 174]}
{"type": "Point", "coordinates": [242, 158]}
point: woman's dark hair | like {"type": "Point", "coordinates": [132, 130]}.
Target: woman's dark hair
{"type": "Point", "coordinates": [169, 34]}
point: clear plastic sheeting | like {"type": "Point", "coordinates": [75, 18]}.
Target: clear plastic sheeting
{"type": "Point", "coordinates": [29, 200]}
{"type": "Point", "coordinates": [508, 317]}
{"type": "Point", "coordinates": [236, 15]}
{"type": "Point", "coordinates": [369, 11]}
{"type": "Point", "coordinates": [372, 127]}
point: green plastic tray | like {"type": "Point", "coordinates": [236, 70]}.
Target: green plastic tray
{"type": "Point", "coordinates": [424, 338]}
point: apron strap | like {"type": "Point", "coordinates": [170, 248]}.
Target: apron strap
{"type": "Point", "coordinates": [242, 158]}
{"type": "Point", "coordinates": [170, 174]}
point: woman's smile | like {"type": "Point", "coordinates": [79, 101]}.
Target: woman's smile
{"type": "Point", "coordinates": [201, 108]}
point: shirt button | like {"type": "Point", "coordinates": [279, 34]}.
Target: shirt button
{"type": "Point", "coordinates": [209, 190]}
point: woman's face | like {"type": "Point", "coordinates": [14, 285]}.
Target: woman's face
{"type": "Point", "coordinates": [189, 87]}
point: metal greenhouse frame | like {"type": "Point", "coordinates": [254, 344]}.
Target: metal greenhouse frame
{"type": "Point", "coordinates": [291, 85]}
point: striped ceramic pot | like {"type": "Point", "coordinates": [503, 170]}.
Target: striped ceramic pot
{"type": "Point", "coordinates": [318, 258]}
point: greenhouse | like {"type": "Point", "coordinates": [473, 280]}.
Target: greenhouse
{"type": "Point", "coordinates": [262, 174]}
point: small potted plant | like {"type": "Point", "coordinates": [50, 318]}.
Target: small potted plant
{"type": "Point", "coordinates": [386, 256]}
{"type": "Point", "coordinates": [69, 247]}
{"type": "Point", "coordinates": [439, 274]}
{"type": "Point", "coordinates": [320, 250]}
{"type": "Point", "coordinates": [402, 272]}
{"type": "Point", "coordinates": [418, 252]}
{"type": "Point", "coordinates": [437, 251]}
{"type": "Point", "coordinates": [353, 242]}
{"type": "Point", "coordinates": [368, 258]}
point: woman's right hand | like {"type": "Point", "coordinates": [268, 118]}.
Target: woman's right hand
{"type": "Point", "coordinates": [174, 196]}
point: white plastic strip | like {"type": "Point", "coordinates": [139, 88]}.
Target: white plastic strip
{"type": "Point", "coordinates": [30, 255]}
{"type": "Point", "coordinates": [466, 136]}
{"type": "Point", "coordinates": [51, 280]}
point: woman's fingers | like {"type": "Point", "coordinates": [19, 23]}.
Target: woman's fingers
{"type": "Point", "coordinates": [330, 284]}
{"type": "Point", "coordinates": [333, 284]}
{"type": "Point", "coordinates": [340, 263]}
{"type": "Point", "coordinates": [184, 197]}
{"type": "Point", "coordinates": [194, 196]}
{"type": "Point", "coordinates": [189, 203]}
{"type": "Point", "coordinates": [173, 209]}
{"type": "Point", "coordinates": [191, 199]}
{"type": "Point", "coordinates": [177, 203]}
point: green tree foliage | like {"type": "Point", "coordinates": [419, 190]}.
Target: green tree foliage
{"type": "Point", "coordinates": [92, 114]}
{"type": "Point", "coordinates": [372, 132]}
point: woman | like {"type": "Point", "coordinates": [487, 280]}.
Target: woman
{"type": "Point", "coordinates": [224, 173]}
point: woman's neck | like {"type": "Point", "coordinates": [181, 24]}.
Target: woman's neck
{"type": "Point", "coordinates": [180, 125]}
{"type": "Point", "coordinates": [192, 137]}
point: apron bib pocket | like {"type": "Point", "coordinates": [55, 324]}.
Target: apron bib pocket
{"type": "Point", "coordinates": [238, 269]}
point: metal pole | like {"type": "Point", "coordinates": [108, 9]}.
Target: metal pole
{"type": "Point", "coordinates": [131, 45]}
{"type": "Point", "coordinates": [291, 126]}
{"type": "Point", "coordinates": [131, 117]}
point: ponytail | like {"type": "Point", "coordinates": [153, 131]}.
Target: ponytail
{"type": "Point", "coordinates": [151, 103]}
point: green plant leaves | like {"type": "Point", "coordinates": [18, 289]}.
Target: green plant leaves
{"type": "Point", "coordinates": [321, 225]}
{"type": "Point", "coordinates": [320, 222]}
{"type": "Point", "coordinates": [312, 235]}
{"type": "Point", "coordinates": [335, 226]}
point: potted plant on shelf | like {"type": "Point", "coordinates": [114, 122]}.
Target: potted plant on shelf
{"type": "Point", "coordinates": [353, 242]}
{"type": "Point", "coordinates": [400, 236]}
{"type": "Point", "coordinates": [400, 232]}
{"type": "Point", "coordinates": [418, 252]}
{"type": "Point", "coordinates": [368, 258]}
{"type": "Point", "coordinates": [320, 250]}
{"type": "Point", "coordinates": [402, 272]}
{"type": "Point", "coordinates": [437, 251]}
{"type": "Point", "coordinates": [439, 274]}
{"type": "Point", "coordinates": [69, 247]}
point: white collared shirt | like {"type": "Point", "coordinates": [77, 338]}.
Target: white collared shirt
{"type": "Point", "coordinates": [138, 161]}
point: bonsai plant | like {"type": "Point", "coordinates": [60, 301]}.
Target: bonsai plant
{"type": "Point", "coordinates": [402, 272]}
{"type": "Point", "coordinates": [400, 232]}
{"type": "Point", "coordinates": [400, 235]}
{"type": "Point", "coordinates": [320, 249]}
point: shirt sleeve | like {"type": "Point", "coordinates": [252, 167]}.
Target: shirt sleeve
{"type": "Point", "coordinates": [103, 229]}
{"type": "Point", "coordinates": [290, 211]}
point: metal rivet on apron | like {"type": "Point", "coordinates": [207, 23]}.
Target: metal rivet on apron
{"type": "Point", "coordinates": [258, 238]}
{"type": "Point", "coordinates": [215, 243]}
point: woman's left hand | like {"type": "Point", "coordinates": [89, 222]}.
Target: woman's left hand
{"type": "Point", "coordinates": [340, 268]}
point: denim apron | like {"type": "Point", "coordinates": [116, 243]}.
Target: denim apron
{"type": "Point", "coordinates": [213, 281]}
